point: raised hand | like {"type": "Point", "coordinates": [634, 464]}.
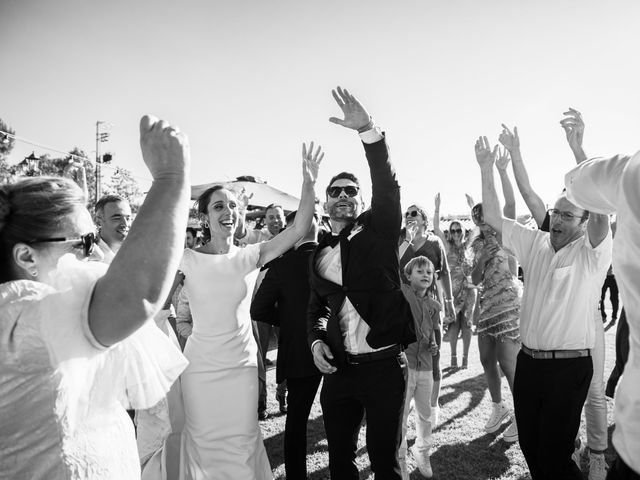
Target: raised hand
{"type": "Point", "coordinates": [311, 162]}
{"type": "Point", "coordinates": [410, 231]}
{"type": "Point", "coordinates": [511, 141]}
{"type": "Point", "coordinates": [356, 116]}
{"type": "Point", "coordinates": [165, 149]}
{"type": "Point", "coordinates": [470, 201]}
{"type": "Point", "coordinates": [502, 162]}
{"type": "Point", "coordinates": [243, 200]}
{"type": "Point", "coordinates": [437, 201]}
{"type": "Point", "coordinates": [484, 155]}
{"type": "Point", "coordinates": [573, 126]}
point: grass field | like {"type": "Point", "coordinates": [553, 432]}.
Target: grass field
{"type": "Point", "coordinates": [461, 448]}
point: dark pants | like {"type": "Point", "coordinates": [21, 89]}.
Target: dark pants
{"type": "Point", "coordinates": [622, 354]}
{"type": "Point", "coordinates": [548, 396]}
{"type": "Point", "coordinates": [262, 372]}
{"type": "Point", "coordinates": [621, 471]}
{"type": "Point", "coordinates": [610, 283]}
{"type": "Point", "coordinates": [302, 392]}
{"type": "Point", "coordinates": [376, 389]}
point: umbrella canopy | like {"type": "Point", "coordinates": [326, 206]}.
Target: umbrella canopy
{"type": "Point", "coordinates": [263, 194]}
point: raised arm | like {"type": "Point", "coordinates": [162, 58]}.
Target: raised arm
{"type": "Point", "coordinates": [288, 238]}
{"type": "Point", "coordinates": [511, 142]}
{"type": "Point", "coordinates": [490, 203]}
{"type": "Point", "coordinates": [436, 219]}
{"type": "Point", "coordinates": [573, 126]}
{"type": "Point", "coordinates": [140, 276]}
{"type": "Point", "coordinates": [386, 215]}
{"type": "Point", "coordinates": [502, 162]}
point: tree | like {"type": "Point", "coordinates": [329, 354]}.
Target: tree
{"type": "Point", "coordinates": [6, 145]}
{"type": "Point", "coordinates": [124, 184]}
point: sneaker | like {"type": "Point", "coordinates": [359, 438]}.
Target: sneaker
{"type": "Point", "coordinates": [435, 416]}
{"type": "Point", "coordinates": [423, 462]}
{"type": "Point", "coordinates": [577, 453]}
{"type": "Point", "coordinates": [511, 433]}
{"type": "Point", "coordinates": [465, 362]}
{"type": "Point", "coordinates": [597, 466]}
{"type": "Point", "coordinates": [498, 415]}
{"type": "Point", "coordinates": [403, 468]}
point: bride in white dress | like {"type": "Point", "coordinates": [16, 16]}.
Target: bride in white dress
{"type": "Point", "coordinates": [221, 438]}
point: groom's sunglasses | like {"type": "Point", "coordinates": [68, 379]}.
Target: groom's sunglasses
{"type": "Point", "coordinates": [350, 190]}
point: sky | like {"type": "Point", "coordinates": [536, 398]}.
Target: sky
{"type": "Point", "coordinates": [249, 81]}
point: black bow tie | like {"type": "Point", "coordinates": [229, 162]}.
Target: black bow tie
{"type": "Point", "coordinates": [333, 240]}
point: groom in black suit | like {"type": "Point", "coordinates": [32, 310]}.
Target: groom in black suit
{"type": "Point", "coordinates": [358, 319]}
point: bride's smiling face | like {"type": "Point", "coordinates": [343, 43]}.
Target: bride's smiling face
{"type": "Point", "coordinates": [222, 213]}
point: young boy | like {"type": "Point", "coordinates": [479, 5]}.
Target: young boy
{"type": "Point", "coordinates": [426, 316]}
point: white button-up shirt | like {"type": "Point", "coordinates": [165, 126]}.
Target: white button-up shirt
{"type": "Point", "coordinates": [560, 288]}
{"type": "Point", "coordinates": [607, 185]}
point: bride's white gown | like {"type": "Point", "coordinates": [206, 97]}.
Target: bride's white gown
{"type": "Point", "coordinates": [221, 438]}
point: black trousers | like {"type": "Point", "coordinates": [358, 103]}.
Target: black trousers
{"type": "Point", "coordinates": [302, 392]}
{"type": "Point", "coordinates": [548, 396]}
{"type": "Point", "coordinates": [621, 471]}
{"type": "Point", "coordinates": [377, 390]}
{"type": "Point", "coordinates": [611, 284]}
{"type": "Point", "coordinates": [622, 354]}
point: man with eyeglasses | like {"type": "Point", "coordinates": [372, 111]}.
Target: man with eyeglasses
{"type": "Point", "coordinates": [563, 268]}
{"type": "Point", "coordinates": [595, 407]}
{"type": "Point", "coordinates": [358, 318]}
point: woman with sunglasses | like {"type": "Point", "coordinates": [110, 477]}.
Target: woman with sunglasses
{"type": "Point", "coordinates": [464, 293]}
{"type": "Point", "coordinates": [499, 320]}
{"type": "Point", "coordinates": [68, 353]}
{"type": "Point", "coordinates": [416, 240]}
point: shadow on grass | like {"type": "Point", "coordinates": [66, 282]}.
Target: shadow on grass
{"type": "Point", "coordinates": [476, 386]}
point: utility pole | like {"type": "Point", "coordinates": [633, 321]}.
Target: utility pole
{"type": "Point", "coordinates": [100, 137]}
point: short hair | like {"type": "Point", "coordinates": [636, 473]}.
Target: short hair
{"type": "Point", "coordinates": [31, 208]}
{"type": "Point", "coordinates": [343, 175]}
{"type": "Point", "coordinates": [272, 206]}
{"type": "Point", "coordinates": [419, 261]}
{"type": "Point", "coordinates": [100, 204]}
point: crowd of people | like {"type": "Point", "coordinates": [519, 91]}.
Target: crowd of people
{"type": "Point", "coordinates": [107, 314]}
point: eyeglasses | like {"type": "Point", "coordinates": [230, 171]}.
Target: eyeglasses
{"type": "Point", "coordinates": [350, 190]}
{"type": "Point", "coordinates": [564, 216]}
{"type": "Point", "coordinates": [88, 241]}
{"type": "Point", "coordinates": [455, 230]}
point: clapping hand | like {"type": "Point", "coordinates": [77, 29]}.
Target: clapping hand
{"type": "Point", "coordinates": [243, 200]}
{"type": "Point", "coordinates": [511, 141]}
{"type": "Point", "coordinates": [502, 162]}
{"type": "Point", "coordinates": [311, 162]}
{"type": "Point", "coordinates": [355, 115]}
{"type": "Point", "coordinates": [484, 155]}
{"type": "Point", "coordinates": [573, 126]}
{"type": "Point", "coordinates": [165, 149]}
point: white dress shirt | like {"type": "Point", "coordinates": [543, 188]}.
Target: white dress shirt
{"type": "Point", "coordinates": [607, 185]}
{"type": "Point", "coordinates": [560, 288]}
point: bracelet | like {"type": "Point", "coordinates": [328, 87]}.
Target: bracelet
{"type": "Point", "coordinates": [366, 127]}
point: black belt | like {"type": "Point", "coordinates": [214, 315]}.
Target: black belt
{"type": "Point", "coordinates": [374, 356]}
{"type": "Point", "coordinates": [556, 354]}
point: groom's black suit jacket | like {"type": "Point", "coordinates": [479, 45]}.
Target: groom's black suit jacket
{"type": "Point", "coordinates": [370, 269]}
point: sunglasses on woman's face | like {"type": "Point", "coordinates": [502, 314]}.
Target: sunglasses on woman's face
{"type": "Point", "coordinates": [455, 230]}
{"type": "Point", "coordinates": [88, 241]}
{"type": "Point", "coordinates": [350, 190]}
{"type": "Point", "coordinates": [414, 213]}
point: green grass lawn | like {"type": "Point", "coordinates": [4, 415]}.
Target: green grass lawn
{"type": "Point", "coordinates": [461, 448]}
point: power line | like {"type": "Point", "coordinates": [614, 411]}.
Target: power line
{"type": "Point", "coordinates": [73, 155]}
